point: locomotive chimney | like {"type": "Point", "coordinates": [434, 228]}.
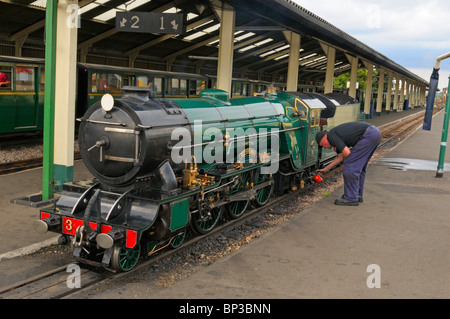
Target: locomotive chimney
{"type": "Point", "coordinates": [140, 93]}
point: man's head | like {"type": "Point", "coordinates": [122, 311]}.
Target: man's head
{"type": "Point", "coordinates": [322, 140]}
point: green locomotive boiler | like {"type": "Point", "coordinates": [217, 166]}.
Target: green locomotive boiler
{"type": "Point", "coordinates": [162, 166]}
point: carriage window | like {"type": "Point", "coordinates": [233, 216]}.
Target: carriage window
{"type": "Point", "coordinates": [103, 87]}
{"type": "Point", "coordinates": [103, 83]}
{"type": "Point", "coordinates": [175, 86]}
{"type": "Point", "coordinates": [114, 83]}
{"type": "Point", "coordinates": [111, 83]}
{"type": "Point", "coordinates": [158, 86]}
{"type": "Point", "coordinates": [183, 87]}
{"type": "Point", "coordinates": [24, 79]}
{"type": "Point", "coordinates": [129, 80]}
{"type": "Point", "coordinates": [141, 81]}
{"type": "Point", "coordinates": [42, 80]}
{"type": "Point", "coordinates": [150, 84]}
{"type": "Point", "coordinates": [261, 88]}
{"type": "Point", "coordinates": [237, 87]}
{"type": "Point", "coordinates": [245, 89]}
{"type": "Point", "coordinates": [195, 87]}
{"type": "Point", "coordinates": [94, 83]}
{"type": "Point", "coordinates": [5, 78]}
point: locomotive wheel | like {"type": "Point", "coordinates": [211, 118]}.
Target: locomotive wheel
{"type": "Point", "coordinates": [178, 240]}
{"type": "Point", "coordinates": [124, 259]}
{"type": "Point", "coordinates": [205, 225]}
{"type": "Point", "coordinates": [236, 209]}
{"type": "Point", "coordinates": [263, 194]}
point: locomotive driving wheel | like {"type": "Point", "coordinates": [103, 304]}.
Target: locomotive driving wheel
{"type": "Point", "coordinates": [124, 259]}
{"type": "Point", "coordinates": [236, 209]}
{"type": "Point", "coordinates": [263, 194]}
{"type": "Point", "coordinates": [178, 240]}
{"type": "Point", "coordinates": [205, 222]}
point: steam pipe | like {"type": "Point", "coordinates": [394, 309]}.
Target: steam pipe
{"type": "Point", "coordinates": [434, 81]}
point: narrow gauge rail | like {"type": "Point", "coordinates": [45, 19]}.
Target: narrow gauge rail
{"type": "Point", "coordinates": [50, 285]}
{"type": "Point", "coordinates": [18, 166]}
{"type": "Point", "coordinates": [53, 284]}
{"type": "Point", "coordinates": [12, 167]}
{"type": "Point", "coordinates": [393, 131]}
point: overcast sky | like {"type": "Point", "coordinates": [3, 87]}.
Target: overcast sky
{"type": "Point", "coordinates": [412, 33]}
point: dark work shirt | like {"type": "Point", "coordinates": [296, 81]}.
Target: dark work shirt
{"type": "Point", "coordinates": [347, 134]}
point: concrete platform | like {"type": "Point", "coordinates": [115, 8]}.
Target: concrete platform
{"type": "Point", "coordinates": [402, 230]}
{"type": "Point", "coordinates": [16, 232]}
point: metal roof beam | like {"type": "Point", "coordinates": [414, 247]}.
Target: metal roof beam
{"type": "Point", "coordinates": [274, 65]}
{"type": "Point", "coordinates": [113, 31]}
{"type": "Point", "coordinates": [190, 48]}
{"type": "Point", "coordinates": [263, 49]}
{"type": "Point", "coordinates": [270, 57]}
{"type": "Point", "coordinates": [27, 30]}
{"type": "Point", "coordinates": [260, 28]}
{"type": "Point", "coordinates": [252, 40]}
{"type": "Point", "coordinates": [166, 37]}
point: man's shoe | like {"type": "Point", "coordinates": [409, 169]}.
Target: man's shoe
{"type": "Point", "coordinates": [360, 199]}
{"type": "Point", "coordinates": [345, 202]}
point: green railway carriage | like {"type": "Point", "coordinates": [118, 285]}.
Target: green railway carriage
{"type": "Point", "coordinates": [96, 80]}
{"type": "Point", "coordinates": [164, 166]}
{"type": "Point", "coordinates": [22, 98]}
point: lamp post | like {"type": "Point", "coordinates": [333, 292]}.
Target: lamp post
{"type": "Point", "coordinates": [440, 169]}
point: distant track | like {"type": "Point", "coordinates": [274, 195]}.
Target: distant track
{"type": "Point", "coordinates": [13, 167]}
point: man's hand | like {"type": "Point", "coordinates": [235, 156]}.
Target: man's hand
{"type": "Point", "coordinates": [321, 172]}
{"type": "Point", "coordinates": [346, 153]}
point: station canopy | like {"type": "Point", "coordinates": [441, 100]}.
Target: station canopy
{"type": "Point", "coordinates": [261, 50]}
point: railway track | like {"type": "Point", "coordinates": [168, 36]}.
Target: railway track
{"type": "Point", "coordinates": [59, 283]}
{"type": "Point", "coordinates": [394, 131]}
{"type": "Point", "coordinates": [54, 284]}
{"type": "Point", "coordinates": [13, 167]}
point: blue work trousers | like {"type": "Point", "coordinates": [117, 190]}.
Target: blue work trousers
{"type": "Point", "coordinates": [355, 165]}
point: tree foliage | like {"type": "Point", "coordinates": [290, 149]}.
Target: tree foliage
{"type": "Point", "coordinates": [341, 81]}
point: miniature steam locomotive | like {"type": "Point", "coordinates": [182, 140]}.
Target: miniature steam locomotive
{"type": "Point", "coordinates": [161, 166]}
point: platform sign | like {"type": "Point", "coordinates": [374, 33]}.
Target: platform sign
{"type": "Point", "coordinates": [150, 22]}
